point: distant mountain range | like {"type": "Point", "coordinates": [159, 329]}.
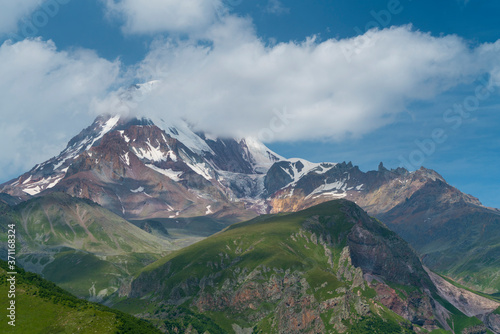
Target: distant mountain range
{"type": "Point", "coordinates": [127, 191]}
{"type": "Point", "coordinates": [141, 171]}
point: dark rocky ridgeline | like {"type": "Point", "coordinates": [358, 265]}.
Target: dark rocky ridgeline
{"type": "Point", "coordinates": [328, 269]}
{"type": "Point", "coordinates": [454, 234]}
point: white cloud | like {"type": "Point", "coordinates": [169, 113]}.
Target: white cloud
{"type": "Point", "coordinates": [44, 99]}
{"type": "Point", "coordinates": [235, 84]}
{"type": "Point", "coordinates": [276, 7]}
{"type": "Point", "coordinates": [153, 16]}
{"type": "Point", "coordinates": [225, 80]}
{"type": "Point", "coordinates": [13, 11]}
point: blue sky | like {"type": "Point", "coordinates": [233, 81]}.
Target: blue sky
{"type": "Point", "coordinates": [355, 95]}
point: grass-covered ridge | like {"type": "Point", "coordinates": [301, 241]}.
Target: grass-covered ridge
{"type": "Point", "coordinates": [43, 307]}
{"type": "Point", "coordinates": [276, 273]}
{"type": "Point", "coordinates": [79, 245]}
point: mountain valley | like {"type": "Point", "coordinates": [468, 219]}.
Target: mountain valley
{"type": "Point", "coordinates": [146, 216]}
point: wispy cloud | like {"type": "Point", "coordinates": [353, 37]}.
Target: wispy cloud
{"type": "Point", "coordinates": [12, 11]}
{"type": "Point", "coordinates": [276, 7]}
{"type": "Point", "coordinates": [153, 16]}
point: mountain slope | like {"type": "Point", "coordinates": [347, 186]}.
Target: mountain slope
{"type": "Point", "coordinates": [452, 231]}
{"type": "Point", "coordinates": [330, 268]}
{"type": "Point", "coordinates": [138, 170]}
{"type": "Point", "coordinates": [145, 170]}
{"type": "Point", "coordinates": [78, 244]}
{"type": "Point", "coordinates": [454, 236]}
{"type": "Point", "coordinates": [42, 307]}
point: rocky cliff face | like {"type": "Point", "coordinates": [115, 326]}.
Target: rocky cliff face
{"type": "Point", "coordinates": [329, 268]}
{"type": "Point", "coordinates": [138, 170]}
{"type": "Point", "coordinates": [454, 234]}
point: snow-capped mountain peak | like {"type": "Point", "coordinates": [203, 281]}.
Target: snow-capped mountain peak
{"type": "Point", "coordinates": [171, 149]}
{"type": "Point", "coordinates": [140, 167]}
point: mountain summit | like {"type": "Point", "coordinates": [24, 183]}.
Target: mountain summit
{"type": "Point", "coordinates": [138, 169]}
{"type": "Point", "coordinates": [143, 170]}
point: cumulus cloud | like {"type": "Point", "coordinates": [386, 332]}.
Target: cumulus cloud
{"type": "Point", "coordinates": [237, 85]}
{"type": "Point", "coordinates": [225, 80]}
{"type": "Point", "coordinates": [44, 99]}
{"type": "Point", "coordinates": [13, 11]}
{"type": "Point", "coordinates": [153, 16]}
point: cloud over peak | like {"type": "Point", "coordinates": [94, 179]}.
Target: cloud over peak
{"type": "Point", "coordinates": [237, 84]}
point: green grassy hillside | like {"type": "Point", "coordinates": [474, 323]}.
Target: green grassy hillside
{"type": "Point", "coordinates": [42, 307]}
{"type": "Point", "coordinates": [327, 269]}
{"type": "Point", "coordinates": [79, 245]}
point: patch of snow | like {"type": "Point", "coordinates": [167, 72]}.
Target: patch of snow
{"type": "Point", "coordinates": [106, 127]}
{"type": "Point", "coordinates": [209, 211]}
{"type": "Point", "coordinates": [173, 216]}
{"type": "Point", "coordinates": [154, 153]}
{"type": "Point", "coordinates": [172, 156]}
{"type": "Point", "coordinates": [27, 180]}
{"type": "Point", "coordinates": [69, 153]}
{"type": "Point", "coordinates": [126, 159]}
{"type": "Point", "coordinates": [173, 175]}
{"type": "Point", "coordinates": [181, 131]}
{"type": "Point", "coordinates": [121, 203]}
{"type": "Point", "coordinates": [288, 172]}
{"type": "Point", "coordinates": [201, 169]}
{"type": "Point", "coordinates": [331, 194]}
{"type": "Point", "coordinates": [138, 190]}
{"type": "Point", "coordinates": [360, 187]}
{"type": "Point", "coordinates": [164, 139]}
{"type": "Point", "coordinates": [260, 155]}
{"type": "Point", "coordinates": [33, 191]}
{"type": "Point", "coordinates": [325, 167]}
{"type": "Point", "coordinates": [60, 163]}
{"type": "Point", "coordinates": [309, 167]}
{"type": "Point", "coordinates": [124, 136]}
{"type": "Point", "coordinates": [56, 181]}
{"type": "Point", "coordinates": [40, 185]}
{"type": "Point", "coordinates": [339, 186]}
